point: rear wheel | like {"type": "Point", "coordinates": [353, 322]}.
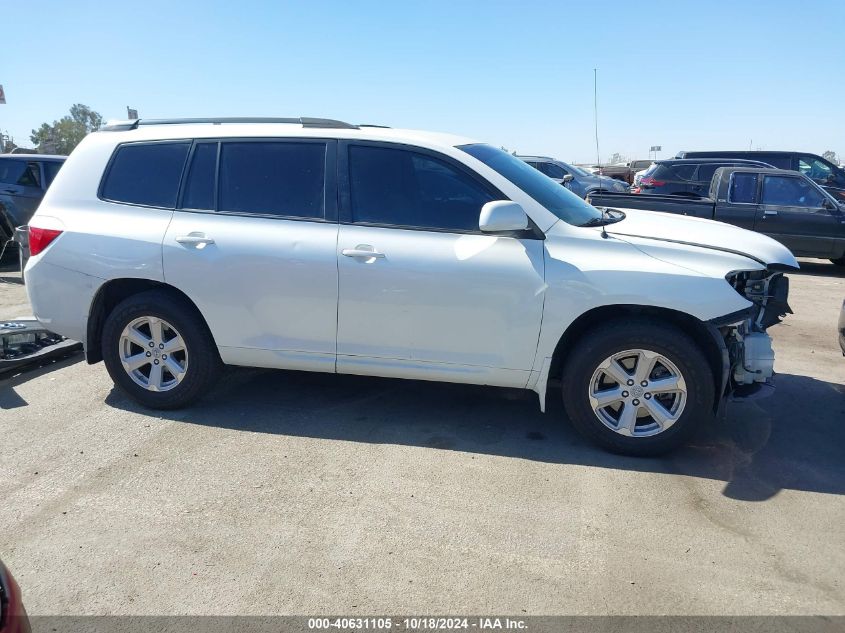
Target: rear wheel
{"type": "Point", "coordinates": [637, 387]}
{"type": "Point", "coordinates": [159, 351]}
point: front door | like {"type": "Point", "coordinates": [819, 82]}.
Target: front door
{"type": "Point", "coordinates": [792, 212]}
{"type": "Point", "coordinates": [422, 292]}
{"type": "Point", "coordinates": [256, 253]}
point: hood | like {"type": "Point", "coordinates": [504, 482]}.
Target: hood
{"type": "Point", "coordinates": [653, 226]}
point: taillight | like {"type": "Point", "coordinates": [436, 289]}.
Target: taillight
{"type": "Point", "coordinates": [39, 239]}
{"type": "Point", "coordinates": [648, 181]}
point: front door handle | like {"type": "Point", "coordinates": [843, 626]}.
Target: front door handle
{"type": "Point", "coordinates": [770, 212]}
{"type": "Point", "coordinates": [362, 250]}
{"type": "Point", "coordinates": [195, 239]}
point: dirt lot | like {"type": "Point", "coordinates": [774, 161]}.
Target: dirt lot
{"type": "Point", "coordinates": [294, 493]}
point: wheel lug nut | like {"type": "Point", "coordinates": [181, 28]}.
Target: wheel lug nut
{"type": "Point", "coordinates": [644, 383]}
{"type": "Point", "coordinates": [156, 361]}
{"type": "Point", "coordinates": [149, 354]}
{"type": "Point", "coordinates": [152, 344]}
{"type": "Point", "coordinates": [635, 402]}
{"type": "Point", "coordinates": [630, 383]}
{"type": "Point", "coordinates": [164, 357]}
{"type": "Point", "coordinates": [624, 393]}
{"type": "Point", "coordinates": [647, 396]}
{"type": "Point", "coordinates": [161, 345]}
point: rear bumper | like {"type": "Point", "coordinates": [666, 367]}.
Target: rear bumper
{"type": "Point", "coordinates": [60, 298]}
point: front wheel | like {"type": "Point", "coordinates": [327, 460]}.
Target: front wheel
{"type": "Point", "coordinates": [158, 349]}
{"type": "Point", "coordinates": [637, 387]}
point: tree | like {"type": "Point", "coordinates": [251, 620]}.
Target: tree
{"type": "Point", "coordinates": [66, 133]}
{"type": "Point", "coordinates": [831, 156]}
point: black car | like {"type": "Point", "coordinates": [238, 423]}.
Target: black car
{"type": "Point", "coordinates": [24, 179]}
{"type": "Point", "coordinates": [821, 170]}
{"type": "Point", "coordinates": [686, 177]}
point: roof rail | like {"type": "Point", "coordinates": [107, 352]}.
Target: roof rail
{"type": "Point", "coordinates": [132, 124]}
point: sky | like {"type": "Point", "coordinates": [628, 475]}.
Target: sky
{"type": "Point", "coordinates": [683, 74]}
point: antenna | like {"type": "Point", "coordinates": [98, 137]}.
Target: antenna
{"type": "Point", "coordinates": [596, 114]}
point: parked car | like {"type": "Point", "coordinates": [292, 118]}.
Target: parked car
{"type": "Point", "coordinates": [625, 171]}
{"type": "Point", "coordinates": [685, 177]}
{"type": "Point", "coordinates": [13, 618]}
{"type": "Point", "coordinates": [23, 180]}
{"type": "Point", "coordinates": [170, 248]}
{"type": "Point", "coordinates": [842, 328]}
{"type": "Point", "coordinates": [821, 170]}
{"type": "Point", "coordinates": [576, 179]}
{"type": "Point", "coordinates": [784, 205]}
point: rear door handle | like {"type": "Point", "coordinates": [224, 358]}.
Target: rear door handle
{"type": "Point", "coordinates": [195, 239]}
{"type": "Point", "coordinates": [362, 251]}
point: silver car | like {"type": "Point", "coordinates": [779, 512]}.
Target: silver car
{"type": "Point", "coordinates": [577, 180]}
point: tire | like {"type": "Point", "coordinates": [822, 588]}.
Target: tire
{"type": "Point", "coordinates": [839, 261]}
{"type": "Point", "coordinates": [180, 325]}
{"type": "Point", "coordinates": [674, 353]}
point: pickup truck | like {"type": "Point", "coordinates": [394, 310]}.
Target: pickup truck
{"type": "Point", "coordinates": [783, 204]}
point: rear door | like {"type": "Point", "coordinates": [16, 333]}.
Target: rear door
{"type": "Point", "coordinates": [740, 206]}
{"type": "Point", "coordinates": [20, 188]}
{"type": "Point", "coordinates": [423, 293]}
{"type": "Point", "coordinates": [792, 212]}
{"type": "Point", "coordinates": [253, 244]}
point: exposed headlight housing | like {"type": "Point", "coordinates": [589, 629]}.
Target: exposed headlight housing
{"type": "Point", "coordinates": [768, 291]}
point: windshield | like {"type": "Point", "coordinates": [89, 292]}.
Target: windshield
{"type": "Point", "coordinates": [557, 199]}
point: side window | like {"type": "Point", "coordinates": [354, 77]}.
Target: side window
{"type": "Point", "coordinates": [50, 170]}
{"type": "Point", "coordinates": [791, 192]}
{"type": "Point", "coordinates": [553, 171]}
{"type": "Point", "coordinates": [818, 170]}
{"type": "Point", "coordinates": [199, 185]}
{"type": "Point", "coordinates": [705, 172]}
{"type": "Point", "coordinates": [146, 173]}
{"type": "Point", "coordinates": [683, 172]}
{"type": "Point", "coordinates": [743, 188]}
{"type": "Point", "coordinates": [273, 178]}
{"type": "Point", "coordinates": [403, 188]}
{"type": "Point", "coordinates": [776, 160]}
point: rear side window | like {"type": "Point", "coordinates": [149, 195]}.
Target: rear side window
{"type": "Point", "coordinates": [199, 185]}
{"type": "Point", "coordinates": [19, 172]}
{"type": "Point", "coordinates": [743, 188]}
{"type": "Point", "coordinates": [272, 178]}
{"type": "Point", "coordinates": [402, 188]}
{"type": "Point", "coordinates": [146, 174]}
{"type": "Point", "coordinates": [50, 170]}
{"type": "Point", "coordinates": [673, 172]}
{"type": "Point", "coordinates": [705, 172]}
{"type": "Point", "coordinates": [781, 162]}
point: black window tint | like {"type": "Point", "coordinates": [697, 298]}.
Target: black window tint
{"type": "Point", "coordinates": [705, 172]}
{"type": "Point", "coordinates": [272, 178]}
{"type": "Point", "coordinates": [146, 174]}
{"type": "Point", "coordinates": [744, 188]}
{"type": "Point", "coordinates": [199, 185]}
{"type": "Point", "coordinates": [684, 172]}
{"type": "Point", "coordinates": [553, 171]}
{"type": "Point", "coordinates": [663, 172]}
{"type": "Point", "coordinates": [794, 192]}
{"type": "Point", "coordinates": [50, 171]}
{"type": "Point", "coordinates": [402, 188]}
{"type": "Point", "coordinates": [781, 162]}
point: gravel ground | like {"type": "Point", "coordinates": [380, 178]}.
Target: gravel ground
{"type": "Point", "coordinates": [292, 493]}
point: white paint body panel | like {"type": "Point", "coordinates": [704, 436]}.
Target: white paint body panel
{"type": "Point", "coordinates": [438, 306]}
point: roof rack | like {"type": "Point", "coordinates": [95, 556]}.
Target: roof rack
{"type": "Point", "coordinates": [133, 124]}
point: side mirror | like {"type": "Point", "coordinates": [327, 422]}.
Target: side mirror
{"type": "Point", "coordinates": [568, 178]}
{"type": "Point", "coordinates": [502, 215]}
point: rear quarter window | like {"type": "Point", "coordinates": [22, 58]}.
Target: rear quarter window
{"type": "Point", "coordinates": [145, 173]}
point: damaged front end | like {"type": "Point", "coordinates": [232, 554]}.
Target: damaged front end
{"type": "Point", "coordinates": [749, 357]}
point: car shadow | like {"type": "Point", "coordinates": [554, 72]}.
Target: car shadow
{"type": "Point", "coordinates": [818, 268]}
{"type": "Point", "coordinates": [9, 398]}
{"type": "Point", "coordinates": [783, 442]}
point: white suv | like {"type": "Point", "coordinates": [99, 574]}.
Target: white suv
{"type": "Point", "coordinates": [170, 248]}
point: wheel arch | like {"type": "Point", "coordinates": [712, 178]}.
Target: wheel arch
{"type": "Point", "coordinates": [698, 330]}
{"type": "Point", "coordinates": [109, 295]}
